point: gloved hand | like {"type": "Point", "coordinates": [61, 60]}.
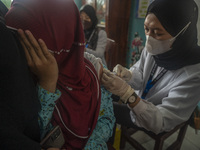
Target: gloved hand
{"type": "Point", "coordinates": [122, 72]}
{"type": "Point", "coordinates": [116, 85]}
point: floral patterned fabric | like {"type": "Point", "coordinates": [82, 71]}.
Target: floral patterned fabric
{"type": "Point", "coordinates": [104, 127]}
{"type": "Point", "coordinates": [47, 101]}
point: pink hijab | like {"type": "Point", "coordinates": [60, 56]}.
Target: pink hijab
{"type": "Point", "coordinates": [58, 23]}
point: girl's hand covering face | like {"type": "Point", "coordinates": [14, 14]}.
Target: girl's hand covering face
{"type": "Point", "coordinates": [41, 62]}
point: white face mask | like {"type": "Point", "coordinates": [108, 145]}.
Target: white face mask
{"type": "Point", "coordinates": [155, 47]}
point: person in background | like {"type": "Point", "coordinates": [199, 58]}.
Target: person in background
{"type": "Point", "coordinates": [96, 38]}
{"type": "Point", "coordinates": [162, 89]}
{"type": "Point", "coordinates": [79, 110]}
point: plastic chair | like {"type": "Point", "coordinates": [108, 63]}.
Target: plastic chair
{"type": "Point", "coordinates": [159, 138]}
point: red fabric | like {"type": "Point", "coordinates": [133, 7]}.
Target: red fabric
{"type": "Point", "coordinates": [58, 23]}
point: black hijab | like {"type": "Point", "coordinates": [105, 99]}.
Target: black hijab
{"type": "Point", "coordinates": [174, 15]}
{"type": "Point", "coordinates": [90, 11]}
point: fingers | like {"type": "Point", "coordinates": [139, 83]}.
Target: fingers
{"type": "Point", "coordinates": [106, 71]}
{"type": "Point", "coordinates": [33, 47]}
{"type": "Point", "coordinates": [115, 69]}
{"type": "Point", "coordinates": [28, 57]}
{"type": "Point", "coordinates": [28, 48]}
{"type": "Point", "coordinates": [118, 69]}
{"type": "Point", "coordinates": [34, 43]}
{"type": "Point", "coordinates": [105, 82]}
{"type": "Point", "coordinates": [105, 78]}
{"type": "Point", "coordinates": [118, 73]}
{"type": "Point", "coordinates": [123, 74]}
{"type": "Point", "coordinates": [45, 50]}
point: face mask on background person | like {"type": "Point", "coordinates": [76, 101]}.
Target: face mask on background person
{"type": "Point", "coordinates": [155, 47]}
{"type": "Point", "coordinates": [86, 24]}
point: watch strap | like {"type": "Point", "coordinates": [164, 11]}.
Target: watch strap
{"type": "Point", "coordinates": [128, 93]}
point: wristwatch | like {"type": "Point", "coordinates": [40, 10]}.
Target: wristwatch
{"type": "Point", "coordinates": [131, 99]}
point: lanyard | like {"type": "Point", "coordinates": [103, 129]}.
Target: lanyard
{"type": "Point", "coordinates": [151, 83]}
{"type": "Point", "coordinates": [86, 46]}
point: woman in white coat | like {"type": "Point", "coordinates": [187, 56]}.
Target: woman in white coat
{"type": "Point", "coordinates": [162, 89]}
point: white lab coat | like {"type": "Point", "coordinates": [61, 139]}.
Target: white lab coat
{"type": "Point", "coordinates": [170, 101]}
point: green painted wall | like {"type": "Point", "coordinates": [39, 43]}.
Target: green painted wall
{"type": "Point", "coordinates": [78, 3]}
{"type": "Point", "coordinates": [7, 3]}
{"type": "Point", "coordinates": [135, 25]}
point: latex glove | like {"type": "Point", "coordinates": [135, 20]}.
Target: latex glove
{"type": "Point", "coordinates": [116, 85]}
{"type": "Point", "coordinates": [122, 72]}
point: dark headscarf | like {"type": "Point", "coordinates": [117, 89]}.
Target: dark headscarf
{"type": "Point", "coordinates": [90, 11]}
{"type": "Point", "coordinates": [174, 15]}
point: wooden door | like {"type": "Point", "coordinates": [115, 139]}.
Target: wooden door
{"type": "Point", "coordinates": [117, 24]}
